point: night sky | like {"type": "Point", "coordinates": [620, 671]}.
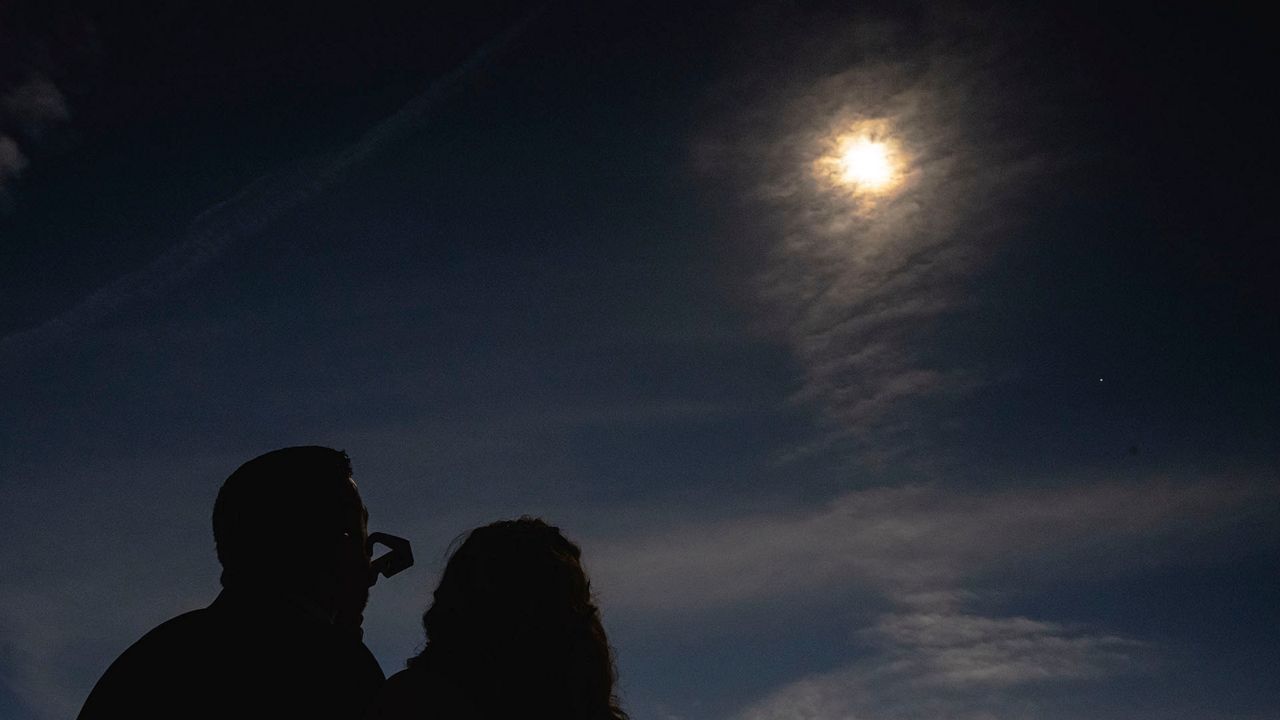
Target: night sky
{"type": "Point", "coordinates": [997, 439]}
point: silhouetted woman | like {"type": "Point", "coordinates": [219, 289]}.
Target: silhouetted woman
{"type": "Point", "coordinates": [512, 633]}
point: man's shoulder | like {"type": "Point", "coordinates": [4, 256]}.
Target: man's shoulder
{"type": "Point", "coordinates": [176, 633]}
{"type": "Point", "coordinates": [178, 628]}
{"type": "Point", "coordinates": [147, 662]}
{"type": "Point", "coordinates": [227, 660]}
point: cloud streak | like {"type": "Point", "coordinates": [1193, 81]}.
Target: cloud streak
{"type": "Point", "coordinates": [916, 543]}
{"type": "Point", "coordinates": [916, 567]}
{"type": "Point", "coordinates": [955, 666]}
{"type": "Point", "coordinates": [956, 650]}
{"type": "Point", "coordinates": [247, 212]}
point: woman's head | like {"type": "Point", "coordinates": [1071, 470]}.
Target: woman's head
{"type": "Point", "coordinates": [514, 623]}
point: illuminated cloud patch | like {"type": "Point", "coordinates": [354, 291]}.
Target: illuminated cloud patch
{"type": "Point", "coordinates": [924, 573]}
{"type": "Point", "coordinates": [879, 191]}
{"type": "Point", "coordinates": [951, 649]}
{"type": "Point", "coordinates": [954, 666]}
{"type": "Point", "coordinates": [27, 111]}
{"type": "Point", "coordinates": [918, 546]}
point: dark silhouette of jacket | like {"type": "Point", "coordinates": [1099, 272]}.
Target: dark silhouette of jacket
{"type": "Point", "coordinates": [244, 656]}
{"type": "Point", "coordinates": [422, 692]}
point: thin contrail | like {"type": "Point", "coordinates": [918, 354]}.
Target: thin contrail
{"type": "Point", "coordinates": [247, 212]}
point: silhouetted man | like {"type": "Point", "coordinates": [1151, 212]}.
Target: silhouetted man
{"type": "Point", "coordinates": [283, 637]}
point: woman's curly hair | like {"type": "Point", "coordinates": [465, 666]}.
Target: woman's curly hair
{"type": "Point", "coordinates": [514, 627]}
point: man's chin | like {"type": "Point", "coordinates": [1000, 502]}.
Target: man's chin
{"type": "Point", "coordinates": [352, 611]}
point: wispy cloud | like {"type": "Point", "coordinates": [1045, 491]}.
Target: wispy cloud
{"type": "Point", "coordinates": [12, 161]}
{"type": "Point", "coordinates": [249, 211]}
{"type": "Point", "coordinates": [914, 543]}
{"type": "Point", "coordinates": [857, 281]}
{"type": "Point", "coordinates": [27, 112]}
{"type": "Point", "coordinates": [952, 665]}
{"type": "Point", "coordinates": [952, 649]}
{"type": "Point", "coordinates": [918, 566]}
{"type": "Point", "coordinates": [34, 106]}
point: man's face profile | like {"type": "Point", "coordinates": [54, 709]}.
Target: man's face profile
{"type": "Point", "coordinates": [354, 573]}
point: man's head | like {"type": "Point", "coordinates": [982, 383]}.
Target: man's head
{"type": "Point", "coordinates": [292, 520]}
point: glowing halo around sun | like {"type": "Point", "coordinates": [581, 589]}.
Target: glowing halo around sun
{"type": "Point", "coordinates": [865, 161]}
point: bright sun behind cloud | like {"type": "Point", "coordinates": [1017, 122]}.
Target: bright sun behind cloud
{"type": "Point", "coordinates": [866, 163]}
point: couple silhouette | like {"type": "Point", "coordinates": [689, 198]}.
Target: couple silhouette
{"type": "Point", "coordinates": [512, 630]}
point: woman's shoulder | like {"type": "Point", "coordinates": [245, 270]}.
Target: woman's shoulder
{"type": "Point", "coordinates": [401, 696]}
{"type": "Point", "coordinates": [418, 692]}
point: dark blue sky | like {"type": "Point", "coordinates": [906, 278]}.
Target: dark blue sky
{"type": "Point", "coordinates": [999, 442]}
